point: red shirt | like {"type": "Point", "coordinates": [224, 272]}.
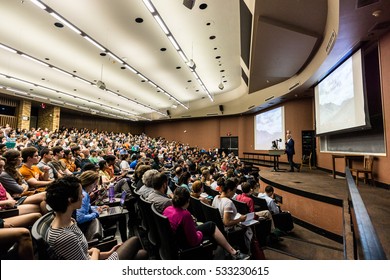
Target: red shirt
{"type": "Point", "coordinates": [249, 201]}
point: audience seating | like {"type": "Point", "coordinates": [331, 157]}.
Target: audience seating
{"type": "Point", "coordinates": [195, 209]}
{"type": "Point", "coordinates": [168, 246]}
{"type": "Point", "coordinates": [45, 252]}
{"type": "Point", "coordinates": [145, 208]}
{"type": "Point", "coordinates": [260, 202]}
{"type": "Point", "coordinates": [210, 191]}
{"type": "Point", "coordinates": [242, 207]}
{"type": "Point", "coordinates": [235, 236]}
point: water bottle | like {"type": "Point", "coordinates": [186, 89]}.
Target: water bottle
{"type": "Point", "coordinates": [111, 193]}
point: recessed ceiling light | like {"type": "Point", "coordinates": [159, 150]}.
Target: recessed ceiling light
{"type": "Point", "coordinates": [103, 54]}
{"type": "Point", "coordinates": [203, 6]}
{"type": "Point", "coordinates": [222, 70]}
{"type": "Point", "coordinates": [58, 24]}
{"type": "Point", "coordinates": [178, 67]}
{"type": "Point", "coordinates": [218, 57]}
{"type": "Point", "coordinates": [212, 37]}
{"type": "Point", "coordinates": [163, 49]}
{"type": "Point", "coordinates": [139, 20]}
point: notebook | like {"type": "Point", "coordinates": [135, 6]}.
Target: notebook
{"type": "Point", "coordinates": [249, 219]}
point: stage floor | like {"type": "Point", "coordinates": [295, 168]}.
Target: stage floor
{"type": "Point", "coordinates": [376, 200]}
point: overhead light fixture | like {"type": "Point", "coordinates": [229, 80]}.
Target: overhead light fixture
{"type": "Point", "coordinates": [149, 5]}
{"type": "Point", "coordinates": [34, 59]}
{"type": "Point", "coordinates": [65, 22]}
{"type": "Point", "coordinates": [161, 23]}
{"type": "Point", "coordinates": [38, 4]}
{"type": "Point", "coordinates": [94, 43]}
{"type": "Point", "coordinates": [190, 63]}
{"type": "Point", "coordinates": [7, 48]}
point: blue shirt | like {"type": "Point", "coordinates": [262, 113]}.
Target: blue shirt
{"type": "Point", "coordinates": [87, 212]}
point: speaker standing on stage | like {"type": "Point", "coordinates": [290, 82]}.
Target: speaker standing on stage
{"type": "Point", "coordinates": [290, 151]}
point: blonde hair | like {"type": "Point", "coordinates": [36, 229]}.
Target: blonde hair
{"type": "Point", "coordinates": [88, 177]}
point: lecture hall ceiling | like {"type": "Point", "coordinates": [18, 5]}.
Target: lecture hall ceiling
{"type": "Point", "coordinates": [113, 59]}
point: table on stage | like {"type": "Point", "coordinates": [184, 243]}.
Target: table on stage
{"type": "Point", "coordinates": [276, 154]}
{"type": "Point", "coordinates": [348, 159]}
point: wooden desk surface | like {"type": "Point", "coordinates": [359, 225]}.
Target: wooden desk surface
{"type": "Point", "coordinates": [348, 160]}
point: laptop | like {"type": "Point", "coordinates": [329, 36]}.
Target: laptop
{"type": "Point", "coordinates": [116, 209]}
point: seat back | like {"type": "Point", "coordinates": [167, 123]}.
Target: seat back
{"type": "Point", "coordinates": [235, 236]}
{"type": "Point", "coordinates": [306, 160]}
{"type": "Point", "coordinates": [368, 162]}
{"type": "Point", "coordinates": [242, 207]}
{"type": "Point", "coordinates": [38, 233]}
{"type": "Point", "coordinates": [195, 208]}
{"type": "Point", "coordinates": [212, 214]}
{"type": "Point", "coordinates": [210, 191]}
{"type": "Point", "coordinates": [168, 247]}
{"type": "Point", "coordinates": [145, 208]}
{"type": "Point", "coordinates": [260, 202]}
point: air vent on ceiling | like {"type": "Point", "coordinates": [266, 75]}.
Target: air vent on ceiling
{"type": "Point", "coordinates": [363, 3]}
{"type": "Point", "coordinates": [294, 86]}
{"type": "Point", "coordinates": [331, 42]}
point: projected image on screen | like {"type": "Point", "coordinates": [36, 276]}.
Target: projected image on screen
{"type": "Point", "coordinates": [340, 98]}
{"type": "Point", "coordinates": [269, 126]}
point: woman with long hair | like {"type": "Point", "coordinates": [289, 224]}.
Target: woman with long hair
{"type": "Point", "coordinates": [190, 235]}
{"type": "Point", "coordinates": [16, 186]}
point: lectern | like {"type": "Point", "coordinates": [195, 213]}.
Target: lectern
{"type": "Point", "coordinates": [276, 154]}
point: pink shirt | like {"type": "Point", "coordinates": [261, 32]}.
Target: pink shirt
{"type": "Point", "coordinates": [180, 216]}
{"type": "Point", "coordinates": [249, 201]}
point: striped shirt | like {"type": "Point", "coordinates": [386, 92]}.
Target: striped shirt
{"type": "Point", "coordinates": [69, 243]}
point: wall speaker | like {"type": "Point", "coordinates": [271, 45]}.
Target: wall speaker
{"type": "Point", "coordinates": [189, 3]}
{"type": "Point", "coordinates": [221, 108]}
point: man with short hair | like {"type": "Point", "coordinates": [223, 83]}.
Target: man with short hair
{"type": "Point", "coordinates": [59, 166]}
{"type": "Point", "coordinates": [46, 158]}
{"type": "Point", "coordinates": [34, 177]}
{"type": "Point", "coordinates": [159, 194]}
{"type": "Point", "coordinates": [269, 198]}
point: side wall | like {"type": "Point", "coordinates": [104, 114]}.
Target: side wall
{"type": "Point", "coordinates": [381, 164]}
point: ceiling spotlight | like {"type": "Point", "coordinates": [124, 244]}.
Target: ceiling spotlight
{"type": "Point", "coordinates": [101, 85]}
{"type": "Point", "coordinates": [377, 13]}
{"type": "Point", "coordinates": [221, 86]}
{"type": "Point", "coordinates": [190, 63]}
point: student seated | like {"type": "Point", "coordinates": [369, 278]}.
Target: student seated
{"type": "Point", "coordinates": [13, 230]}
{"type": "Point", "coordinates": [67, 240]}
{"type": "Point", "coordinates": [192, 235]}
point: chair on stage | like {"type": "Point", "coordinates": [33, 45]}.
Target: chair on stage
{"type": "Point", "coordinates": [366, 170]}
{"type": "Point", "coordinates": [306, 160]}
